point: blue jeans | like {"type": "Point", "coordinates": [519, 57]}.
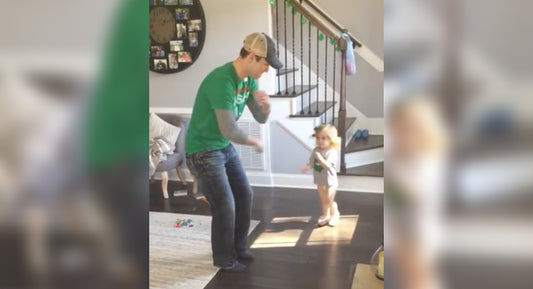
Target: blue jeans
{"type": "Point", "coordinates": [223, 182]}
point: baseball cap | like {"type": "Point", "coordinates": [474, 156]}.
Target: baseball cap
{"type": "Point", "coordinates": [263, 46]}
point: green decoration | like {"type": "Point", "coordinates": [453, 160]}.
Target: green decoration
{"type": "Point", "coordinates": [303, 20]}
{"type": "Point", "coordinates": [332, 41]}
{"type": "Point", "coordinates": [337, 47]}
{"type": "Point", "coordinates": [317, 167]}
{"type": "Point", "coordinates": [294, 11]}
{"type": "Point", "coordinates": [320, 37]}
{"type": "Point", "coordinates": [272, 2]}
{"type": "Point", "coordinates": [288, 3]}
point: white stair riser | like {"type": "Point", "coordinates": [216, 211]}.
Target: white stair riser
{"type": "Point", "coordinates": [365, 157]}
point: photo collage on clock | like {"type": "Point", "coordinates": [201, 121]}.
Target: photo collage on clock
{"type": "Point", "coordinates": [175, 42]}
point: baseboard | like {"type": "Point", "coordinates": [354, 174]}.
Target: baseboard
{"type": "Point", "coordinates": [346, 183]}
{"type": "Point", "coordinates": [260, 179]}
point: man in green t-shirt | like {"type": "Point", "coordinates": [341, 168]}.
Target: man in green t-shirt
{"type": "Point", "coordinates": [211, 157]}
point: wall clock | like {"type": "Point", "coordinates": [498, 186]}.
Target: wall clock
{"type": "Point", "coordinates": [177, 34]}
{"type": "Point", "coordinates": [162, 25]}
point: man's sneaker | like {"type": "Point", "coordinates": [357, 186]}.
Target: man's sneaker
{"type": "Point", "coordinates": [234, 267]}
{"type": "Point", "coordinates": [245, 255]}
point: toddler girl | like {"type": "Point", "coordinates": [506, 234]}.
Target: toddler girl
{"type": "Point", "coordinates": [323, 161]}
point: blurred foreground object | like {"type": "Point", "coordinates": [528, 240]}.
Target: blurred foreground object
{"type": "Point", "coordinates": [464, 216]}
{"type": "Point", "coordinates": [63, 222]}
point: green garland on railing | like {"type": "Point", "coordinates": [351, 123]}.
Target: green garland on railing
{"type": "Point", "coordinates": [303, 20]}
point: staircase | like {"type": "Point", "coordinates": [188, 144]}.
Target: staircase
{"type": "Point", "coordinates": [311, 88]}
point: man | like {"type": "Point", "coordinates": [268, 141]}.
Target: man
{"type": "Point", "coordinates": [211, 157]}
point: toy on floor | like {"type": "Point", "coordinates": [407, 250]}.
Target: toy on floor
{"type": "Point", "coordinates": [183, 223]}
{"type": "Point", "coordinates": [361, 134]}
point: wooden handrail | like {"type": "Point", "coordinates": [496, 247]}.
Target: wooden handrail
{"type": "Point", "coordinates": [315, 20]}
{"type": "Point", "coordinates": [318, 22]}
{"type": "Point", "coordinates": [356, 43]}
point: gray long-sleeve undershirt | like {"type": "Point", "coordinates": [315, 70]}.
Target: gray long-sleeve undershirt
{"type": "Point", "coordinates": [227, 124]}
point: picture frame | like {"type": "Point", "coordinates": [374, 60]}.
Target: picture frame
{"type": "Point", "coordinates": [160, 64]}
{"type": "Point", "coordinates": [183, 36]}
{"type": "Point", "coordinates": [182, 13]}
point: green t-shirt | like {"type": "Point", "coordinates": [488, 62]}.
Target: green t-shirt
{"type": "Point", "coordinates": [221, 89]}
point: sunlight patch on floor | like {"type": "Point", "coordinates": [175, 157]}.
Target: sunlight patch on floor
{"type": "Point", "coordinates": [282, 232]}
{"type": "Point", "coordinates": [340, 234]}
{"type": "Point", "coordinates": [287, 232]}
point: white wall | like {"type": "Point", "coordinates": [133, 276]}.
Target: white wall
{"type": "Point", "coordinates": [287, 154]}
{"type": "Point", "coordinates": [227, 23]}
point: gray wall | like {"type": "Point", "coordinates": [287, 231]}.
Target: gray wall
{"type": "Point", "coordinates": [228, 22]}
{"type": "Point", "coordinates": [364, 19]}
{"type": "Point", "coordinates": [287, 154]}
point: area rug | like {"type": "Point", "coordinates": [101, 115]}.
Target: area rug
{"type": "Point", "coordinates": [180, 258]}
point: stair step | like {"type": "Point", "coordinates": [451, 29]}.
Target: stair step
{"type": "Point", "coordinates": [370, 170]}
{"type": "Point", "coordinates": [349, 122]}
{"type": "Point", "coordinates": [284, 71]}
{"type": "Point", "coordinates": [373, 141]}
{"type": "Point", "coordinates": [294, 91]}
{"type": "Point", "coordinates": [317, 109]}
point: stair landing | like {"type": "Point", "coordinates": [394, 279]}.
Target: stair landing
{"type": "Point", "coordinates": [373, 141]}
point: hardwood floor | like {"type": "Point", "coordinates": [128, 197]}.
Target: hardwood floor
{"type": "Point", "coordinates": [290, 252]}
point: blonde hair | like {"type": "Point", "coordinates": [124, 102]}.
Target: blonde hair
{"type": "Point", "coordinates": [331, 133]}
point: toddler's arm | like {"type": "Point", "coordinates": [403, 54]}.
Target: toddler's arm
{"type": "Point", "coordinates": [325, 164]}
{"type": "Point", "coordinates": [305, 168]}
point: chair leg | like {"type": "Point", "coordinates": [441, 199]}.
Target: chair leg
{"type": "Point", "coordinates": [181, 176]}
{"type": "Point", "coordinates": [194, 186]}
{"type": "Point", "coordinates": [164, 184]}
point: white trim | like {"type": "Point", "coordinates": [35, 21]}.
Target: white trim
{"type": "Point", "coordinates": [260, 179]}
{"type": "Point", "coordinates": [176, 110]}
{"type": "Point", "coordinates": [346, 183]}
